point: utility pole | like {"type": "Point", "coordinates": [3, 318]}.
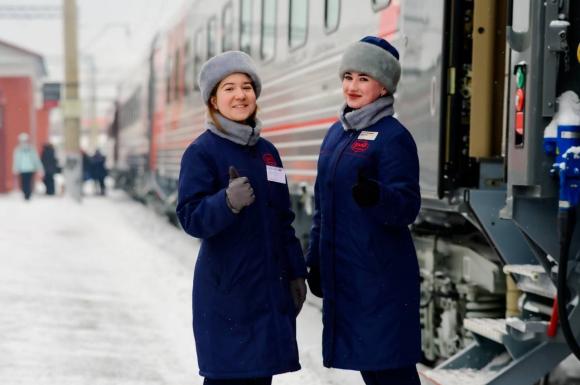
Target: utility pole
{"type": "Point", "coordinates": [72, 105]}
{"type": "Point", "coordinates": [93, 126]}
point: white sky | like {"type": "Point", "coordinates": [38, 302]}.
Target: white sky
{"type": "Point", "coordinates": [117, 32]}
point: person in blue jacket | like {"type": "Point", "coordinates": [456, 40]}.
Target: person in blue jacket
{"type": "Point", "coordinates": [249, 280]}
{"type": "Point", "coordinates": [25, 164]}
{"type": "Point", "coordinates": [361, 257]}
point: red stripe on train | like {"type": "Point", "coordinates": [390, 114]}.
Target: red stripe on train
{"type": "Point", "coordinates": [301, 124]}
{"type": "Point", "coordinates": [172, 145]}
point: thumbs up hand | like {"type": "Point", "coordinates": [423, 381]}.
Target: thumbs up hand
{"type": "Point", "coordinates": [366, 192]}
{"type": "Point", "coordinates": [239, 193]}
{"type": "Point", "coordinates": [233, 173]}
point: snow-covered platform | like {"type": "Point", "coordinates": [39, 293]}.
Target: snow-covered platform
{"type": "Point", "coordinates": [99, 293]}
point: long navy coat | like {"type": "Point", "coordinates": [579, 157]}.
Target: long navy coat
{"type": "Point", "coordinates": [369, 268]}
{"type": "Point", "coordinates": [243, 313]}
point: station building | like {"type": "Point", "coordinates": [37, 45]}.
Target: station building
{"type": "Point", "coordinates": [22, 108]}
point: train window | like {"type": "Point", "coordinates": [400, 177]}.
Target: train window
{"type": "Point", "coordinates": [176, 82]}
{"type": "Point", "coordinates": [268, 30]}
{"type": "Point", "coordinates": [246, 26]}
{"type": "Point", "coordinates": [298, 23]}
{"type": "Point", "coordinates": [380, 4]}
{"type": "Point", "coordinates": [198, 56]}
{"type": "Point", "coordinates": [211, 37]}
{"type": "Point", "coordinates": [331, 15]}
{"type": "Point", "coordinates": [228, 27]}
{"type": "Point", "coordinates": [188, 76]}
{"type": "Point", "coordinates": [168, 79]}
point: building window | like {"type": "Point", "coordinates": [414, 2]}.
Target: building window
{"type": "Point", "coordinates": [380, 4]}
{"type": "Point", "coordinates": [298, 23]}
{"type": "Point", "coordinates": [331, 15]}
{"type": "Point", "coordinates": [198, 55]}
{"type": "Point", "coordinates": [211, 37]}
{"type": "Point", "coordinates": [268, 30]}
{"type": "Point", "coordinates": [228, 27]}
{"type": "Point", "coordinates": [246, 26]}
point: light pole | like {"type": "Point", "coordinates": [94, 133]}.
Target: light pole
{"type": "Point", "coordinates": [71, 105]}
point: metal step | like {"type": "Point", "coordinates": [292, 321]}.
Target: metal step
{"type": "Point", "coordinates": [490, 328]}
{"type": "Point", "coordinates": [532, 279]}
{"type": "Point", "coordinates": [467, 376]}
{"type": "Point", "coordinates": [456, 377]}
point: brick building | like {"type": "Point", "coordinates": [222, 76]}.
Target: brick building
{"type": "Point", "coordinates": [21, 105]}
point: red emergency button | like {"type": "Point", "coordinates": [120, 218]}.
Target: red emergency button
{"type": "Point", "coordinates": [520, 123]}
{"type": "Point", "coordinates": [519, 100]}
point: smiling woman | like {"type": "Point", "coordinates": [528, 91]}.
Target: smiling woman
{"type": "Point", "coordinates": [250, 270]}
{"type": "Point", "coordinates": [361, 250]}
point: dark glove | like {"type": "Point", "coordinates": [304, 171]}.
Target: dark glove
{"type": "Point", "coordinates": [313, 279]}
{"type": "Point", "coordinates": [298, 292]}
{"type": "Point", "coordinates": [366, 192]}
{"type": "Point", "coordinates": [239, 193]}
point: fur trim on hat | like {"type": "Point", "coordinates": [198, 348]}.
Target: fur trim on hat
{"type": "Point", "coordinates": [373, 60]}
{"type": "Point", "coordinates": [221, 66]}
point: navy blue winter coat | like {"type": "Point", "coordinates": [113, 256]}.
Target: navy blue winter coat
{"type": "Point", "coordinates": [243, 313]}
{"type": "Point", "coordinates": [368, 263]}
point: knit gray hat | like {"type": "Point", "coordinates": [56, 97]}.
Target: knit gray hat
{"type": "Point", "coordinates": [375, 57]}
{"type": "Point", "coordinates": [223, 65]}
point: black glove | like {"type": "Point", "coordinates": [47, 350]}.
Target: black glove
{"type": "Point", "coordinates": [298, 292]}
{"type": "Point", "coordinates": [239, 193]}
{"type": "Point", "coordinates": [313, 279]}
{"type": "Point", "coordinates": [366, 192]}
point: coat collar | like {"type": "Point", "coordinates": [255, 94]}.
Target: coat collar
{"type": "Point", "coordinates": [243, 134]}
{"type": "Point", "coordinates": [368, 115]}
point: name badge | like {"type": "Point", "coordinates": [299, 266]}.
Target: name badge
{"type": "Point", "coordinates": [368, 135]}
{"type": "Point", "coordinates": [276, 174]}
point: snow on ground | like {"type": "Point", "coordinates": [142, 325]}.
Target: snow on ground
{"type": "Point", "coordinates": [100, 293]}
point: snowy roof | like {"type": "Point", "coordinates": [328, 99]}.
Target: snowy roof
{"type": "Point", "coordinates": [11, 54]}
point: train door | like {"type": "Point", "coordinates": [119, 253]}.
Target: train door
{"type": "Point", "coordinates": [417, 96]}
{"type": "Point", "coordinates": [472, 99]}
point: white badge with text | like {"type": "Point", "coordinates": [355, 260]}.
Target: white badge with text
{"type": "Point", "coordinates": [368, 135]}
{"type": "Point", "coordinates": [276, 174]}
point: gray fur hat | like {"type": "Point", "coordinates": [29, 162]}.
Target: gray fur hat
{"type": "Point", "coordinates": [220, 66]}
{"type": "Point", "coordinates": [375, 57]}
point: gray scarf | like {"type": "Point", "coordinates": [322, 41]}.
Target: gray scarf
{"type": "Point", "coordinates": [368, 115]}
{"type": "Point", "coordinates": [239, 133]}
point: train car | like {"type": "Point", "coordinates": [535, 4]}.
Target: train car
{"type": "Point", "coordinates": [452, 96]}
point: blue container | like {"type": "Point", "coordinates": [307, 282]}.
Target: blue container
{"type": "Point", "coordinates": [568, 136]}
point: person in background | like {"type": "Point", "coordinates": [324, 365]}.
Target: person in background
{"type": "Point", "coordinates": [87, 169]}
{"type": "Point", "coordinates": [99, 171]}
{"type": "Point", "coordinates": [361, 257]}
{"type": "Point", "coordinates": [50, 165]}
{"type": "Point", "coordinates": [25, 164]}
{"type": "Point", "coordinates": [248, 284]}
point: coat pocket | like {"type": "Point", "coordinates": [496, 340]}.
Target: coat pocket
{"type": "Point", "coordinates": [231, 313]}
